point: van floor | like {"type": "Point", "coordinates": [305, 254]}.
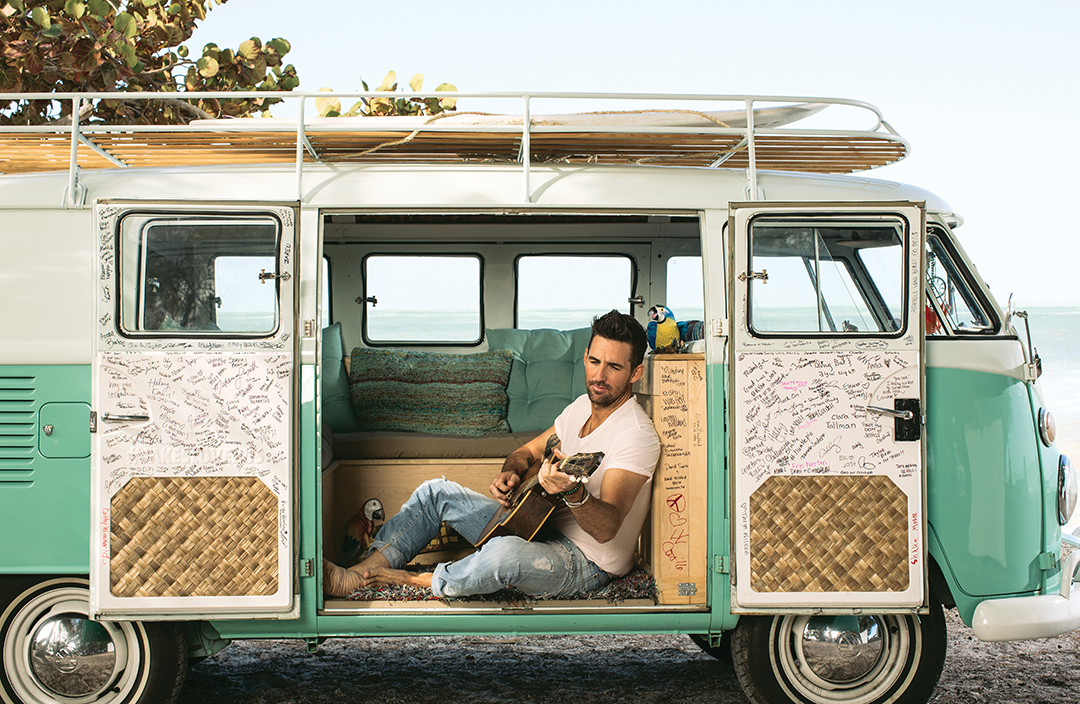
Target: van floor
{"type": "Point", "coordinates": [634, 592]}
{"type": "Point", "coordinates": [346, 606]}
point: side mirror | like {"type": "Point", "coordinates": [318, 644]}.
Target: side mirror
{"type": "Point", "coordinates": [1010, 309]}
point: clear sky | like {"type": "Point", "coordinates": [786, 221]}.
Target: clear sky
{"type": "Point", "coordinates": [984, 91]}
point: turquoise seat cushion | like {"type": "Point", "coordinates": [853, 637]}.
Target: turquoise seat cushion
{"type": "Point", "coordinates": [548, 373]}
{"type": "Point", "coordinates": [337, 410]}
{"type": "Point", "coordinates": [430, 392]}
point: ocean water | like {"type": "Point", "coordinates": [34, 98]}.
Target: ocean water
{"type": "Point", "coordinates": [1055, 334]}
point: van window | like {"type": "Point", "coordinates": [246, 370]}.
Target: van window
{"type": "Point", "coordinates": [952, 297]}
{"type": "Point", "coordinates": [432, 299]}
{"type": "Point", "coordinates": [567, 292]}
{"type": "Point", "coordinates": [685, 288]}
{"type": "Point", "coordinates": [833, 278]}
{"type": "Point", "coordinates": [244, 303]}
{"type": "Point", "coordinates": [199, 274]}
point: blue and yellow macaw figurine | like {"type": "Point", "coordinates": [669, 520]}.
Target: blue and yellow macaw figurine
{"type": "Point", "coordinates": [360, 532]}
{"type": "Point", "coordinates": [663, 331]}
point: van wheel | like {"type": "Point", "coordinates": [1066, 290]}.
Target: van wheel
{"type": "Point", "coordinates": [863, 659]}
{"type": "Point", "coordinates": [52, 651]}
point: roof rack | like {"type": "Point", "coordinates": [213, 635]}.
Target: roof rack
{"type": "Point", "coordinates": [756, 134]}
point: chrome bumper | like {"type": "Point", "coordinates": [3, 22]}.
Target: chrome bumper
{"type": "Point", "coordinates": [1027, 617]}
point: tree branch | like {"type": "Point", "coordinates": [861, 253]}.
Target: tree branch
{"type": "Point", "coordinates": [188, 107]}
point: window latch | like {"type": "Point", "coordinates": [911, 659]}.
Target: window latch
{"type": "Point", "coordinates": [264, 277]}
{"type": "Point", "coordinates": [373, 300]}
{"type": "Point", "coordinates": [763, 275]}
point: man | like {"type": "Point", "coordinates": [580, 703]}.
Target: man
{"type": "Point", "coordinates": [591, 538]}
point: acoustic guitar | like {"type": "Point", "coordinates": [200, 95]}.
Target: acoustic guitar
{"type": "Point", "coordinates": [530, 506]}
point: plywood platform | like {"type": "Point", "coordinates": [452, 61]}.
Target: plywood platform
{"type": "Point", "coordinates": [34, 152]}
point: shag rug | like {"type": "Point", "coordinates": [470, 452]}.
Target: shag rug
{"type": "Point", "coordinates": [637, 584]}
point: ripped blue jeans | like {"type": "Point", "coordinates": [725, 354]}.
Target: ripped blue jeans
{"type": "Point", "coordinates": [549, 566]}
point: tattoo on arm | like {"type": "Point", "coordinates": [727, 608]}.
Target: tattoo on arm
{"type": "Point", "coordinates": [518, 461]}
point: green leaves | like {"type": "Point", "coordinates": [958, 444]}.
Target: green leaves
{"type": "Point", "coordinates": [208, 66]}
{"type": "Point", "coordinates": [41, 17]}
{"type": "Point", "coordinates": [129, 45]}
{"type": "Point", "coordinates": [75, 8]}
{"type": "Point", "coordinates": [250, 49]}
{"type": "Point", "coordinates": [126, 25]}
{"type": "Point", "coordinates": [99, 8]}
{"type": "Point", "coordinates": [328, 107]}
{"type": "Point", "coordinates": [447, 103]}
{"type": "Point", "coordinates": [403, 106]}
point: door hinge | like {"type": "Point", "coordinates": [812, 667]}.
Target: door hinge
{"type": "Point", "coordinates": [719, 327]}
{"type": "Point", "coordinates": [307, 567]}
{"type": "Point", "coordinates": [1048, 562]}
{"type": "Point", "coordinates": [309, 328]}
{"type": "Point", "coordinates": [93, 421]}
{"type": "Point", "coordinates": [687, 589]}
{"type": "Point", "coordinates": [721, 564]}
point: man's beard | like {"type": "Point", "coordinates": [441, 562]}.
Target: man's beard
{"type": "Point", "coordinates": [607, 397]}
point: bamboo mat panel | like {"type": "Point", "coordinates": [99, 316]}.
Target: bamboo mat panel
{"type": "Point", "coordinates": [828, 534]}
{"type": "Point", "coordinates": [20, 153]}
{"type": "Point", "coordinates": [200, 536]}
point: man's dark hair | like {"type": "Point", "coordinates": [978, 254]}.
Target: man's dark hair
{"type": "Point", "coordinates": [621, 327]}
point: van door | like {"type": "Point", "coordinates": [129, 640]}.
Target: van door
{"type": "Point", "coordinates": [827, 384]}
{"type": "Point", "coordinates": [194, 388]}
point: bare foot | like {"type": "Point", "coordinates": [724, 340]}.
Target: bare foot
{"type": "Point", "coordinates": [341, 582]}
{"type": "Point", "coordinates": [385, 575]}
{"type": "Point", "coordinates": [338, 581]}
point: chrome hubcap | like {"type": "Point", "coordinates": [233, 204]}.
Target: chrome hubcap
{"type": "Point", "coordinates": [841, 649]}
{"type": "Point", "coordinates": [853, 659]}
{"type": "Point", "coordinates": [52, 651]}
{"type": "Point", "coordinates": [72, 656]}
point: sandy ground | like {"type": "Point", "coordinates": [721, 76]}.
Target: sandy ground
{"type": "Point", "coordinates": [618, 669]}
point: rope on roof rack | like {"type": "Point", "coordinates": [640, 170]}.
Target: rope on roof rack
{"type": "Point", "coordinates": [410, 137]}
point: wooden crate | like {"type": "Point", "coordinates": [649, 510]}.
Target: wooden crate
{"type": "Point", "coordinates": [674, 543]}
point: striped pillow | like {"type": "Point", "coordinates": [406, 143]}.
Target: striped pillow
{"type": "Point", "coordinates": [430, 392]}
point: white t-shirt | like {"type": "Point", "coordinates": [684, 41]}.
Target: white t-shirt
{"type": "Point", "coordinates": [629, 442]}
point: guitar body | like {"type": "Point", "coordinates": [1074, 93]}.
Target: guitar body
{"type": "Point", "coordinates": [530, 506]}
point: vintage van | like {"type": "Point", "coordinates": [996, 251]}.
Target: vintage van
{"type": "Point", "coordinates": [856, 442]}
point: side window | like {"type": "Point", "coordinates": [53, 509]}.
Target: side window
{"type": "Point", "coordinates": [432, 299]}
{"type": "Point", "coordinates": [244, 302]}
{"type": "Point", "coordinates": [685, 288]}
{"type": "Point", "coordinates": [826, 278]}
{"type": "Point", "coordinates": [951, 306]}
{"type": "Point", "coordinates": [198, 274]}
{"type": "Point", "coordinates": [566, 292]}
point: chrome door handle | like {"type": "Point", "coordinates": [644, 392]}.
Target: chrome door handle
{"type": "Point", "coordinates": [902, 415]}
{"type": "Point", "coordinates": [124, 417]}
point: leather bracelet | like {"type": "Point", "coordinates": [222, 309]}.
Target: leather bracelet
{"type": "Point", "coordinates": [581, 503]}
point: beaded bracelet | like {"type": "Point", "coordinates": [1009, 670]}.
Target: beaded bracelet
{"type": "Point", "coordinates": [579, 504]}
{"type": "Point", "coordinates": [569, 491]}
